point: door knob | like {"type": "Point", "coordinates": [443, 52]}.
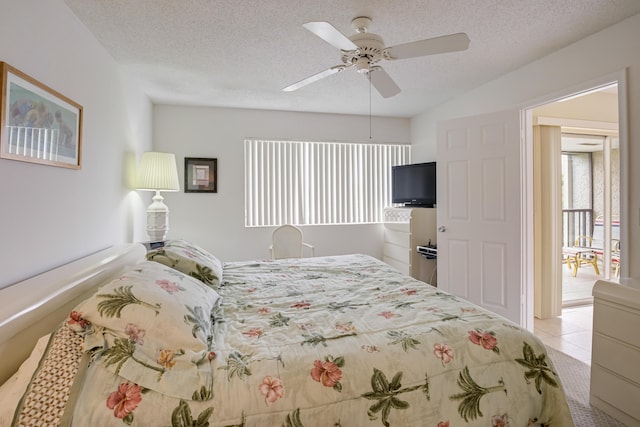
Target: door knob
{"type": "Point", "coordinates": [442, 229]}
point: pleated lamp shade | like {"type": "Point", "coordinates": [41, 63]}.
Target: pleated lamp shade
{"type": "Point", "coordinates": [158, 171]}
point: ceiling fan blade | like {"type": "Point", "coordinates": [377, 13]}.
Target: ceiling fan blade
{"type": "Point", "coordinates": [443, 44]}
{"type": "Point", "coordinates": [314, 78]}
{"type": "Point", "coordinates": [331, 35]}
{"type": "Point", "coordinates": [383, 82]}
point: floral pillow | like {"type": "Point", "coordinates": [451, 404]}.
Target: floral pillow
{"type": "Point", "coordinates": [190, 259]}
{"type": "Point", "coordinates": [154, 326]}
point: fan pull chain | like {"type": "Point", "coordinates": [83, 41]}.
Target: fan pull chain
{"type": "Point", "coordinates": [369, 75]}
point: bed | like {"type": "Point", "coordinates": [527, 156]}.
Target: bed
{"type": "Point", "coordinates": [173, 336]}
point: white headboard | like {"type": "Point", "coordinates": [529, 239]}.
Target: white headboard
{"type": "Point", "coordinates": [34, 307]}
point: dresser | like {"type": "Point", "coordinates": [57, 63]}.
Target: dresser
{"type": "Point", "coordinates": [404, 230]}
{"type": "Point", "coordinates": [615, 354]}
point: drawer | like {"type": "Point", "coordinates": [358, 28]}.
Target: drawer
{"type": "Point", "coordinates": [615, 391]}
{"type": "Point", "coordinates": [401, 253]}
{"type": "Point", "coordinates": [397, 238]}
{"type": "Point", "coordinates": [398, 226]}
{"type": "Point", "coordinates": [616, 322]}
{"type": "Point", "coordinates": [616, 357]}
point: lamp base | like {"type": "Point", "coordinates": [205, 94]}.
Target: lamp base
{"type": "Point", "coordinates": [157, 219]}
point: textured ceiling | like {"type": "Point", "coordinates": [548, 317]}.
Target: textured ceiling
{"type": "Point", "coordinates": [241, 53]}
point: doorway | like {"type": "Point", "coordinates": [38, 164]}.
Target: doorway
{"type": "Point", "coordinates": [582, 202]}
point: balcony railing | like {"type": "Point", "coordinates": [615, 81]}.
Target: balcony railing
{"type": "Point", "coordinates": [576, 222]}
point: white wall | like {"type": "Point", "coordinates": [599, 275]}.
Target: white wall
{"type": "Point", "coordinates": [52, 215]}
{"type": "Point", "coordinates": [602, 54]}
{"type": "Point", "coordinates": [216, 221]}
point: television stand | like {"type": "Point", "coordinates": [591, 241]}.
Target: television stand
{"type": "Point", "coordinates": [418, 205]}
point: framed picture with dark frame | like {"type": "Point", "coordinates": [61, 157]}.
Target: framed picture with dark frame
{"type": "Point", "coordinates": [200, 175]}
{"type": "Point", "coordinates": [38, 124]}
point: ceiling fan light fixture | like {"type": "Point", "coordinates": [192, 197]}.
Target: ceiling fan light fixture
{"type": "Point", "coordinates": [362, 65]}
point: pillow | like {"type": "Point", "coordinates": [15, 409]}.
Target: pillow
{"type": "Point", "coordinates": [55, 373]}
{"type": "Point", "coordinates": [153, 326]}
{"type": "Point", "coordinates": [189, 259]}
{"type": "Point", "coordinates": [12, 390]}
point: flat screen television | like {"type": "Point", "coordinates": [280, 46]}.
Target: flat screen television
{"type": "Point", "coordinates": [414, 185]}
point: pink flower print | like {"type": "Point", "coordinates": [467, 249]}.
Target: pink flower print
{"type": "Point", "coordinates": [125, 399]}
{"type": "Point", "coordinates": [410, 291]}
{"type": "Point", "coordinates": [169, 287]}
{"type": "Point", "coordinates": [306, 327]}
{"type": "Point", "coordinates": [443, 352]}
{"type": "Point", "coordinates": [387, 314]}
{"type": "Point", "coordinates": [271, 388]}
{"type": "Point", "coordinates": [75, 318]}
{"type": "Point", "coordinates": [167, 358]}
{"type": "Point", "coordinates": [369, 348]}
{"type": "Point", "coordinates": [500, 421]}
{"type": "Point", "coordinates": [486, 339]}
{"type": "Point", "coordinates": [345, 327]}
{"type": "Point", "coordinates": [252, 290]}
{"type": "Point", "coordinates": [253, 332]}
{"type": "Point", "coordinates": [264, 310]}
{"type": "Point", "coordinates": [301, 304]}
{"type": "Point", "coordinates": [326, 373]}
{"type": "Point", "coordinates": [443, 423]}
{"type": "Point", "coordinates": [135, 334]}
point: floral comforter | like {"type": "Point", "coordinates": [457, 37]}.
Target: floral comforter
{"type": "Point", "coordinates": [345, 341]}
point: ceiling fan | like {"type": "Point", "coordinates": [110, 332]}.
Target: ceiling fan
{"type": "Point", "coordinates": [364, 50]}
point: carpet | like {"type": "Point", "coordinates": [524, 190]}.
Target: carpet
{"type": "Point", "coordinates": [575, 377]}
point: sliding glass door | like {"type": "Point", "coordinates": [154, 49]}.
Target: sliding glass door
{"type": "Point", "coordinates": [591, 207]}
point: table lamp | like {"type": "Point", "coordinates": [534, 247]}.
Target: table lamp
{"type": "Point", "coordinates": [157, 172]}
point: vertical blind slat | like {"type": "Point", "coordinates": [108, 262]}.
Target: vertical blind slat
{"type": "Point", "coordinates": [292, 182]}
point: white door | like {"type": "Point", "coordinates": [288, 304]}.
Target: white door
{"type": "Point", "coordinates": [479, 211]}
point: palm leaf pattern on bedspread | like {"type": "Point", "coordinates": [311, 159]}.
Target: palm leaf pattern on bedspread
{"type": "Point", "coordinates": [344, 341]}
{"type": "Point", "coordinates": [123, 350]}
{"type": "Point", "coordinates": [472, 393]}
{"type": "Point", "coordinates": [121, 297]}
{"type": "Point", "coordinates": [538, 369]}
{"type": "Point", "coordinates": [181, 416]}
{"type": "Point", "coordinates": [386, 393]}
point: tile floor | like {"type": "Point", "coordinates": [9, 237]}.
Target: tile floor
{"type": "Point", "coordinates": [571, 332]}
{"type": "Point", "coordinates": [577, 290]}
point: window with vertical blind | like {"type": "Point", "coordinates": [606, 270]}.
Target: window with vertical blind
{"type": "Point", "coordinates": [305, 183]}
